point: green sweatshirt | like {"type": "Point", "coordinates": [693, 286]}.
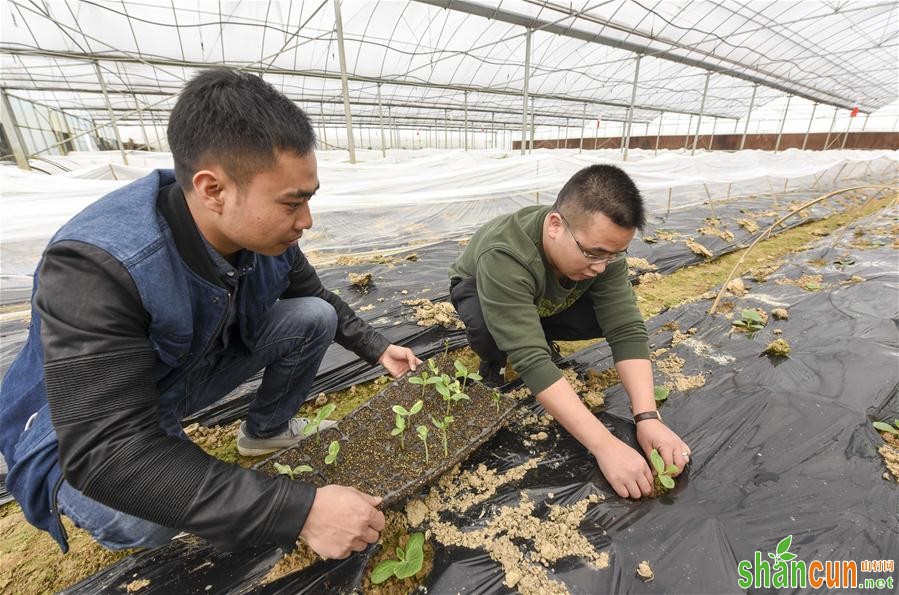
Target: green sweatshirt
{"type": "Point", "coordinates": [517, 287]}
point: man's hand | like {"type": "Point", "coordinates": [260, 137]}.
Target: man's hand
{"type": "Point", "coordinates": [398, 360]}
{"type": "Point", "coordinates": [653, 434]}
{"type": "Point", "coordinates": [624, 468]}
{"type": "Point", "coordinates": [342, 520]}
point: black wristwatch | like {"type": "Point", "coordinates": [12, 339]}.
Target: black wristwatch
{"type": "Point", "coordinates": [647, 415]}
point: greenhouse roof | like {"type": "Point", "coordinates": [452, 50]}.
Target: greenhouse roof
{"type": "Point", "coordinates": [428, 59]}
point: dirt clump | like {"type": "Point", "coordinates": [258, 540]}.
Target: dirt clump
{"type": "Point", "coordinates": [649, 278]}
{"type": "Point", "coordinates": [806, 282]}
{"type": "Point", "coordinates": [698, 248]}
{"type": "Point", "coordinates": [780, 314]}
{"type": "Point", "coordinates": [361, 281]}
{"type": "Point", "coordinates": [736, 287]}
{"type": "Point", "coordinates": [429, 313]}
{"type": "Point", "coordinates": [748, 224]}
{"type": "Point", "coordinates": [136, 585]}
{"type": "Point", "coordinates": [642, 264]}
{"type": "Point", "coordinates": [644, 571]}
{"type": "Point", "coordinates": [719, 233]}
{"type": "Point", "coordinates": [778, 347]}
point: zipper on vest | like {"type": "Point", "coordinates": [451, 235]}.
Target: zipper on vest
{"type": "Point", "coordinates": [198, 359]}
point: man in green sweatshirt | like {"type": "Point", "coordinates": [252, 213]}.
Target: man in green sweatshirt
{"type": "Point", "coordinates": [560, 273]}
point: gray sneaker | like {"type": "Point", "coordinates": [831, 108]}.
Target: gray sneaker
{"type": "Point", "coordinates": [248, 446]}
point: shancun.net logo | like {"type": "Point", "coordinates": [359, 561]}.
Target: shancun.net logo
{"type": "Point", "coordinates": [784, 571]}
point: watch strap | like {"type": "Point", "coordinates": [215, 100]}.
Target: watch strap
{"type": "Point", "coordinates": [647, 415]}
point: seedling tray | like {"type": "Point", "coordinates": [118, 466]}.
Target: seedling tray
{"type": "Point", "coordinates": [373, 461]}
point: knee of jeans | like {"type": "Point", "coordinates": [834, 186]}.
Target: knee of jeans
{"type": "Point", "coordinates": [326, 317]}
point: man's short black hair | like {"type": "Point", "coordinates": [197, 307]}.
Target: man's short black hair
{"type": "Point", "coordinates": [237, 120]}
{"type": "Point", "coordinates": [602, 189]}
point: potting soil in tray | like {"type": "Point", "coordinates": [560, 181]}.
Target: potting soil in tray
{"type": "Point", "coordinates": [373, 461]}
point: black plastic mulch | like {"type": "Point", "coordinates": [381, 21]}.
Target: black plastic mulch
{"type": "Point", "coordinates": [781, 446]}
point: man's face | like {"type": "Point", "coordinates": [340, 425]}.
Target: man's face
{"type": "Point", "coordinates": [595, 234]}
{"type": "Point", "coordinates": [270, 213]}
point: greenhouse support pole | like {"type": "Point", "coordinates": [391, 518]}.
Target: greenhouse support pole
{"type": "Point", "coordinates": [381, 121]}
{"type": "Point", "coordinates": [626, 140]}
{"type": "Point", "coordinates": [846, 136]}
{"type": "Point", "coordinates": [687, 136]}
{"type": "Point", "coordinates": [527, 78]}
{"type": "Point", "coordinates": [659, 135]}
{"type": "Point", "coordinates": [446, 129]}
{"type": "Point", "coordinates": [583, 125]}
{"type": "Point", "coordinates": [533, 127]}
{"type": "Point", "coordinates": [829, 132]}
{"type": "Point", "coordinates": [351, 144]}
{"type": "Point", "coordinates": [748, 116]}
{"type": "Point", "coordinates": [567, 132]}
{"type": "Point", "coordinates": [714, 126]}
{"type": "Point", "coordinates": [705, 92]}
{"type": "Point", "coordinates": [19, 150]}
{"type": "Point", "coordinates": [324, 128]}
{"type": "Point", "coordinates": [809, 129]}
{"type": "Point", "coordinates": [140, 116]}
{"type": "Point", "coordinates": [115, 127]}
{"type": "Point", "coordinates": [558, 135]}
{"type": "Point", "coordinates": [466, 120]}
{"type": "Point", "coordinates": [783, 121]}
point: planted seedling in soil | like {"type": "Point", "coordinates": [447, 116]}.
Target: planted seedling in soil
{"type": "Point", "coordinates": [751, 321]}
{"type": "Point", "coordinates": [292, 472]}
{"type": "Point", "coordinates": [402, 414]}
{"type": "Point", "coordinates": [443, 426]}
{"type": "Point", "coordinates": [885, 427]}
{"type": "Point", "coordinates": [323, 413]}
{"type": "Point", "coordinates": [407, 564]}
{"type": "Point", "coordinates": [661, 394]}
{"type": "Point", "coordinates": [423, 435]}
{"type": "Point", "coordinates": [333, 451]}
{"type": "Point", "coordinates": [662, 472]}
{"type": "Point", "coordinates": [497, 398]}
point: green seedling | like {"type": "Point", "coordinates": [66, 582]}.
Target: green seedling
{"type": "Point", "coordinates": [433, 367]}
{"type": "Point", "coordinates": [421, 379]}
{"type": "Point", "coordinates": [323, 413]}
{"type": "Point", "coordinates": [333, 451]}
{"type": "Point", "coordinates": [463, 374]}
{"type": "Point", "coordinates": [455, 395]}
{"type": "Point", "coordinates": [497, 398]}
{"type": "Point", "coordinates": [407, 562]}
{"type": "Point", "coordinates": [661, 394]}
{"type": "Point", "coordinates": [664, 473]}
{"type": "Point", "coordinates": [292, 472]}
{"type": "Point", "coordinates": [443, 426]}
{"type": "Point", "coordinates": [423, 435]}
{"type": "Point", "coordinates": [885, 427]}
{"type": "Point", "coordinates": [750, 321]}
{"type": "Point", "coordinates": [400, 423]}
{"type": "Point", "coordinates": [445, 347]}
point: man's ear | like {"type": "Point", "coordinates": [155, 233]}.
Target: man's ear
{"type": "Point", "coordinates": [555, 224]}
{"type": "Point", "coordinates": [209, 188]}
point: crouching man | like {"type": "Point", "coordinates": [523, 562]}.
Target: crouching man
{"type": "Point", "coordinates": [158, 300]}
{"type": "Point", "coordinates": [559, 273]}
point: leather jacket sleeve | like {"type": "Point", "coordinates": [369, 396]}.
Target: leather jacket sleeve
{"type": "Point", "coordinates": [353, 333]}
{"type": "Point", "coordinates": [104, 404]}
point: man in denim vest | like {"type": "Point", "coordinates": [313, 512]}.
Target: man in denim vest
{"type": "Point", "coordinates": [158, 300]}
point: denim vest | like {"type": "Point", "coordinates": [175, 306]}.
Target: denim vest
{"type": "Point", "coordinates": [185, 313]}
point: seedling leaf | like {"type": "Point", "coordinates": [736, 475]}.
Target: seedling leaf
{"type": "Point", "coordinates": [383, 571]}
{"type": "Point", "coordinates": [661, 393]}
{"type": "Point", "coordinates": [414, 557]}
{"type": "Point", "coordinates": [666, 481]}
{"type": "Point", "coordinates": [885, 427]}
{"type": "Point", "coordinates": [671, 469]}
{"type": "Point", "coordinates": [400, 410]}
{"type": "Point", "coordinates": [416, 407]}
{"type": "Point", "coordinates": [657, 461]}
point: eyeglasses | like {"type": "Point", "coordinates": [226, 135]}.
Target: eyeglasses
{"type": "Point", "coordinates": [606, 257]}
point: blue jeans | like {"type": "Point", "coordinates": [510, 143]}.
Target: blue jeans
{"type": "Point", "coordinates": [290, 345]}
